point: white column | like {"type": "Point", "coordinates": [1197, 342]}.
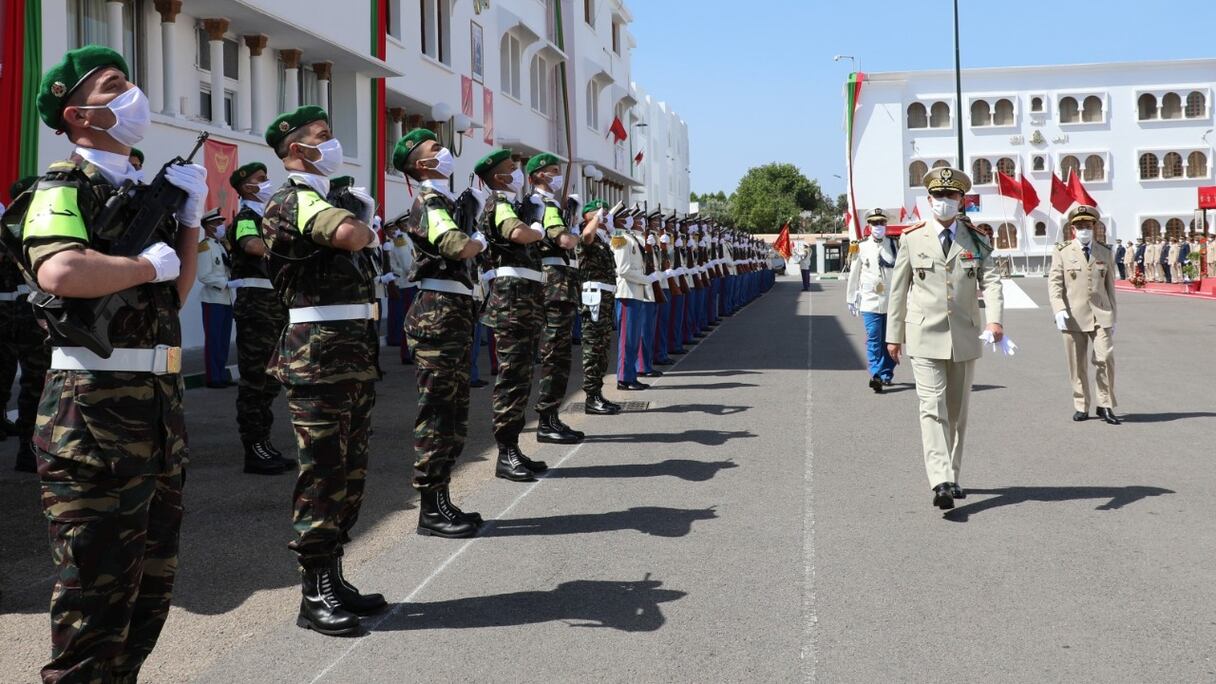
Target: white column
{"type": "Point", "coordinates": [168, 10]}
{"type": "Point", "coordinates": [114, 24]}
{"type": "Point", "coordinates": [215, 29]}
{"type": "Point", "coordinates": [324, 72]}
{"type": "Point", "coordinates": [291, 77]}
{"type": "Point", "coordinates": [256, 44]}
{"type": "Point", "coordinates": [244, 88]}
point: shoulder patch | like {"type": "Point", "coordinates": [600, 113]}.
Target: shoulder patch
{"type": "Point", "coordinates": [62, 166]}
{"type": "Point", "coordinates": [915, 226]}
{"type": "Point", "coordinates": [977, 230]}
{"type": "Point", "coordinates": [619, 242]}
{"type": "Point", "coordinates": [1062, 245]}
{"type": "Point", "coordinates": [204, 246]}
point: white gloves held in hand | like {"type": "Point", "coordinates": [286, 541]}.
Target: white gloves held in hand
{"type": "Point", "coordinates": [164, 259]}
{"type": "Point", "coordinates": [1062, 320]}
{"type": "Point", "coordinates": [854, 310]}
{"type": "Point", "coordinates": [650, 240]}
{"type": "Point", "coordinates": [369, 204]}
{"type": "Point", "coordinates": [1005, 346]}
{"type": "Point", "coordinates": [481, 240]}
{"type": "Point", "coordinates": [538, 229]}
{"type": "Point", "coordinates": [388, 278]}
{"type": "Point", "coordinates": [191, 179]}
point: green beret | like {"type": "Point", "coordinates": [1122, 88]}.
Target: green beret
{"type": "Point", "coordinates": [237, 179]}
{"type": "Point", "coordinates": [407, 143]}
{"type": "Point", "coordinates": [488, 162]}
{"type": "Point", "coordinates": [341, 182]}
{"type": "Point", "coordinates": [61, 80]}
{"type": "Point", "coordinates": [594, 205]}
{"type": "Point", "coordinates": [21, 186]}
{"type": "Point", "coordinates": [137, 153]}
{"type": "Point", "coordinates": [289, 122]}
{"type": "Point", "coordinates": [540, 161]}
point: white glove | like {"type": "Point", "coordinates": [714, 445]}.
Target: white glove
{"type": "Point", "coordinates": [1005, 346]}
{"type": "Point", "coordinates": [609, 218]}
{"type": "Point", "coordinates": [369, 204]}
{"type": "Point", "coordinates": [536, 199]}
{"type": "Point", "coordinates": [377, 223]}
{"type": "Point", "coordinates": [1061, 318]}
{"type": "Point", "coordinates": [164, 259]}
{"type": "Point", "coordinates": [650, 240]}
{"type": "Point", "coordinates": [480, 239]}
{"type": "Point", "coordinates": [538, 229]}
{"type": "Point", "coordinates": [853, 310]}
{"type": "Point", "coordinates": [654, 277]}
{"type": "Point", "coordinates": [666, 239]}
{"type": "Point", "coordinates": [192, 179]}
{"type": "Point", "coordinates": [602, 216]}
{"type": "Point", "coordinates": [488, 276]}
{"type": "Point", "coordinates": [575, 197]}
{"type": "Point", "coordinates": [388, 246]}
{"type": "Point", "coordinates": [388, 278]}
{"type": "Point", "coordinates": [375, 243]}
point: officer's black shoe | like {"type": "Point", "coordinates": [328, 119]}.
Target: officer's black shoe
{"type": "Point", "coordinates": [558, 422]}
{"type": "Point", "coordinates": [887, 382]}
{"type": "Point", "coordinates": [652, 374]}
{"type": "Point", "coordinates": [27, 460]}
{"type": "Point", "coordinates": [349, 596]}
{"type": "Point", "coordinates": [1109, 416]}
{"type": "Point", "coordinates": [664, 362]}
{"type": "Point", "coordinates": [279, 455]}
{"type": "Point", "coordinates": [876, 384]}
{"type": "Point", "coordinates": [260, 461]}
{"type": "Point", "coordinates": [551, 430]}
{"type": "Point", "coordinates": [529, 464]}
{"type": "Point", "coordinates": [956, 492]}
{"type": "Point", "coordinates": [597, 405]}
{"type": "Point", "coordinates": [942, 497]}
{"type": "Point", "coordinates": [320, 609]}
{"type": "Point", "coordinates": [437, 517]}
{"type": "Point", "coordinates": [634, 386]}
{"type": "Point", "coordinates": [612, 404]}
{"type": "Point", "coordinates": [1080, 416]}
{"type": "Point", "coordinates": [677, 352]}
{"type": "Point", "coordinates": [509, 466]}
{"type": "Point", "coordinates": [8, 428]}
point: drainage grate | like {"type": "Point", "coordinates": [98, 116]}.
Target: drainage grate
{"type": "Point", "coordinates": [626, 406]}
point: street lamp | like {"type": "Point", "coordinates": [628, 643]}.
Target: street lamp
{"type": "Point", "coordinates": [851, 58]}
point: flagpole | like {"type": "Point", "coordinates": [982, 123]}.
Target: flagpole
{"type": "Point", "coordinates": [958, 90]}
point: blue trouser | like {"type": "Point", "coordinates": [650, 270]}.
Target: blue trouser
{"type": "Point", "coordinates": [217, 338]}
{"type": "Point", "coordinates": [648, 315]}
{"type": "Point", "coordinates": [703, 308]}
{"type": "Point", "coordinates": [806, 279]}
{"type": "Point", "coordinates": [881, 363]}
{"type": "Point", "coordinates": [661, 333]}
{"type": "Point", "coordinates": [689, 325]}
{"type": "Point", "coordinates": [479, 332]}
{"type": "Point", "coordinates": [394, 329]}
{"type": "Point", "coordinates": [629, 322]}
{"type": "Point", "coordinates": [675, 325]}
{"type": "Point", "coordinates": [578, 329]}
{"type": "Point", "coordinates": [715, 297]}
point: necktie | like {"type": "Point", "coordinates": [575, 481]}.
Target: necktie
{"type": "Point", "coordinates": [947, 242]}
{"type": "Point", "coordinates": [1086, 248]}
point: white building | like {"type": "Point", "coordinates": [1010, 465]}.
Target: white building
{"type": "Point", "coordinates": [483, 75]}
{"type": "Point", "coordinates": [1138, 134]}
{"type": "Point", "coordinates": [663, 143]}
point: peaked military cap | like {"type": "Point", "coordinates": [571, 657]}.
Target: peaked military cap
{"type": "Point", "coordinates": [237, 179]}
{"type": "Point", "coordinates": [540, 161]}
{"type": "Point", "coordinates": [1082, 213]}
{"type": "Point", "coordinates": [946, 178]}
{"type": "Point", "coordinates": [408, 143]}
{"type": "Point", "coordinates": [487, 163]}
{"type": "Point", "coordinates": [138, 154]}
{"type": "Point", "coordinates": [61, 80]}
{"type": "Point", "coordinates": [594, 205]}
{"type": "Point", "coordinates": [211, 216]}
{"type": "Point", "coordinates": [876, 216]}
{"type": "Point", "coordinates": [289, 122]}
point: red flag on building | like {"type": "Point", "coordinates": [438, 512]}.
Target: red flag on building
{"type": "Point", "coordinates": [1030, 198]}
{"type": "Point", "coordinates": [221, 159]}
{"type": "Point", "coordinates": [617, 130]}
{"type": "Point", "coordinates": [1061, 196]}
{"type": "Point", "coordinates": [1079, 192]}
{"type": "Point", "coordinates": [916, 211]}
{"type": "Point", "coordinates": [1007, 186]}
{"type": "Point", "coordinates": [903, 214]}
{"type": "Point", "coordinates": [782, 243]}
{"type": "Point", "coordinates": [638, 159]}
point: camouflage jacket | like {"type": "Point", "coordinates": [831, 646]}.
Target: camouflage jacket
{"type": "Point", "coordinates": [439, 241]}
{"type": "Point", "coordinates": [247, 226]}
{"type": "Point", "coordinates": [595, 261]}
{"type": "Point", "coordinates": [561, 282]}
{"type": "Point", "coordinates": [497, 226]}
{"type": "Point", "coordinates": [299, 228]}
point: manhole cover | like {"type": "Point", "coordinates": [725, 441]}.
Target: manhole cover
{"type": "Point", "coordinates": [626, 406]}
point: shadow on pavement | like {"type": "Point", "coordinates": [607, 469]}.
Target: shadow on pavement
{"type": "Point", "coordinates": [684, 469]}
{"type": "Point", "coordinates": [1117, 497]}
{"type": "Point", "coordinates": [711, 409]}
{"type": "Point", "coordinates": [708, 386]}
{"type": "Point", "coordinates": [703, 437]}
{"type": "Point", "coordinates": [710, 373]}
{"type": "Point", "coordinates": [623, 606]}
{"type": "Point", "coordinates": [1165, 417]}
{"type": "Point", "coordinates": [653, 520]}
{"type": "Point", "coordinates": [830, 347]}
{"type": "Point", "coordinates": [983, 388]}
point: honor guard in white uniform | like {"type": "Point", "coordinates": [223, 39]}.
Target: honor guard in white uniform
{"type": "Point", "coordinates": [867, 292]}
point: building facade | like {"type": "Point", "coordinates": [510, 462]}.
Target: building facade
{"type": "Point", "coordinates": [1139, 136]}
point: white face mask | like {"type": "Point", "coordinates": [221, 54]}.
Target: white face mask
{"type": "Point", "coordinates": [444, 163]}
{"type": "Point", "coordinates": [555, 183]}
{"type": "Point", "coordinates": [265, 190]}
{"type": "Point", "coordinates": [944, 209]}
{"type": "Point", "coordinates": [1085, 236]}
{"type": "Point", "coordinates": [517, 181]}
{"type": "Point", "coordinates": [879, 232]}
{"type": "Point", "coordinates": [331, 156]}
{"type": "Point", "coordinates": [132, 116]}
{"type": "Point", "coordinates": [220, 231]}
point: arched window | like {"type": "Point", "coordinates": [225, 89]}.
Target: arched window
{"type": "Point", "coordinates": [1040, 163]}
{"type": "Point", "coordinates": [1002, 114]}
{"type": "Point", "coordinates": [541, 82]}
{"type": "Point", "coordinates": [941, 164]}
{"type": "Point", "coordinates": [1040, 229]}
{"type": "Point", "coordinates": [1150, 228]}
{"type": "Point", "coordinates": [1197, 165]}
{"type": "Point", "coordinates": [593, 106]}
{"type": "Point", "coordinates": [1069, 112]}
{"type": "Point", "coordinates": [1068, 166]}
{"type": "Point", "coordinates": [1171, 165]}
{"type": "Point", "coordinates": [939, 115]}
{"type": "Point", "coordinates": [1146, 106]}
{"type": "Point", "coordinates": [1171, 106]}
{"type": "Point", "coordinates": [1036, 104]}
{"type": "Point", "coordinates": [1006, 236]}
{"type": "Point", "coordinates": [981, 115]}
{"type": "Point", "coordinates": [916, 174]}
{"type": "Point", "coordinates": [1174, 228]}
{"type": "Point", "coordinates": [917, 116]}
{"type": "Point", "coordinates": [1100, 232]}
{"type": "Point", "coordinates": [985, 227]}
{"type": "Point", "coordinates": [509, 63]}
{"type": "Point", "coordinates": [1092, 111]}
{"type": "Point", "coordinates": [1196, 105]}
{"type": "Point", "coordinates": [1148, 166]}
{"type": "Point", "coordinates": [981, 172]}
{"type": "Point", "coordinates": [1095, 168]}
{"type": "Point", "coordinates": [1006, 166]}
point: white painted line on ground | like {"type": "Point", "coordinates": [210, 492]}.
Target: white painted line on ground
{"type": "Point", "coordinates": [1016, 297]}
{"type": "Point", "coordinates": [809, 654]}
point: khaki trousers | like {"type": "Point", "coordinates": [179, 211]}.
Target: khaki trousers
{"type": "Point", "coordinates": [944, 388]}
{"type": "Point", "coordinates": [1076, 347]}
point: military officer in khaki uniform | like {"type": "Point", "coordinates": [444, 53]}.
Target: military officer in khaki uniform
{"type": "Point", "coordinates": [934, 312]}
{"type": "Point", "coordinates": [1152, 258]}
{"type": "Point", "coordinates": [1082, 290]}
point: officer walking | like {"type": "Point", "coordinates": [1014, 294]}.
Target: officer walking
{"type": "Point", "coordinates": [868, 288]}
{"type": "Point", "coordinates": [326, 358]}
{"type": "Point", "coordinates": [598, 269]}
{"type": "Point", "coordinates": [933, 314]}
{"type": "Point", "coordinates": [111, 435]}
{"type": "Point", "coordinates": [213, 275]}
{"type": "Point", "coordinates": [1082, 290]}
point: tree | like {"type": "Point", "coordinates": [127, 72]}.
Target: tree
{"type": "Point", "coordinates": [769, 195]}
{"type": "Point", "coordinates": [714, 209]}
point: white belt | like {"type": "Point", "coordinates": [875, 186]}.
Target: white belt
{"type": "Point", "coordinates": [592, 286]}
{"type": "Point", "coordinates": [449, 286]}
{"type": "Point", "coordinates": [162, 360]}
{"type": "Point", "coordinates": [261, 283]}
{"type": "Point", "coordinates": [525, 273]}
{"type": "Point", "coordinates": [335, 312]}
{"type": "Point", "coordinates": [558, 261]}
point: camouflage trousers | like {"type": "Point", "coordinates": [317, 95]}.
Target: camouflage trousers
{"type": "Point", "coordinates": [22, 343]}
{"type": "Point", "coordinates": [439, 330]}
{"type": "Point", "coordinates": [556, 351]}
{"type": "Point", "coordinates": [114, 541]}
{"type": "Point", "coordinates": [331, 424]}
{"type": "Point", "coordinates": [597, 340]}
{"type": "Point", "coordinates": [260, 318]}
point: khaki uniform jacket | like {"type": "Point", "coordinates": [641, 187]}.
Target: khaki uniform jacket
{"type": "Point", "coordinates": [1086, 290]}
{"type": "Point", "coordinates": [631, 279]}
{"type": "Point", "coordinates": [934, 308]}
{"type": "Point", "coordinates": [869, 281]}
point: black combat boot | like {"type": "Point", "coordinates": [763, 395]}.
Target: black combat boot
{"type": "Point", "coordinates": [7, 428]}
{"type": "Point", "coordinates": [349, 596]}
{"type": "Point", "coordinates": [320, 608]}
{"type": "Point", "coordinates": [510, 466]}
{"type": "Point", "coordinates": [259, 460]}
{"type": "Point", "coordinates": [279, 455]}
{"type": "Point", "coordinates": [597, 405]}
{"type": "Point", "coordinates": [437, 517]}
{"type": "Point", "coordinates": [552, 430]}
{"type": "Point", "coordinates": [27, 460]}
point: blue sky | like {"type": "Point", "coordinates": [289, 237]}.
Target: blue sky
{"type": "Point", "coordinates": [756, 82]}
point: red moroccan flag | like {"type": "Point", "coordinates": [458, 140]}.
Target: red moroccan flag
{"type": "Point", "coordinates": [1007, 186]}
{"type": "Point", "coordinates": [903, 214]}
{"type": "Point", "coordinates": [221, 159]}
{"type": "Point", "coordinates": [916, 211]}
{"type": "Point", "coordinates": [638, 159]}
{"type": "Point", "coordinates": [1061, 196]}
{"type": "Point", "coordinates": [782, 243]}
{"type": "Point", "coordinates": [1030, 198]}
{"type": "Point", "coordinates": [618, 130]}
{"type": "Point", "coordinates": [1079, 192]}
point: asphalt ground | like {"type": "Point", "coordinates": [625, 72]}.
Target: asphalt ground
{"type": "Point", "coordinates": [755, 522]}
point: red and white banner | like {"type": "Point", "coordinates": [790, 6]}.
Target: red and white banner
{"type": "Point", "coordinates": [488, 104]}
{"type": "Point", "coordinates": [1207, 197]}
{"type": "Point", "coordinates": [221, 159]}
{"type": "Point", "coordinates": [466, 101]}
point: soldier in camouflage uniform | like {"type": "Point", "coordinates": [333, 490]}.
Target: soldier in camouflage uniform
{"type": "Point", "coordinates": [326, 358]}
{"type": "Point", "coordinates": [439, 329]}
{"type": "Point", "coordinates": [110, 432]}
{"type": "Point", "coordinates": [560, 268]}
{"type": "Point", "coordinates": [260, 318]}
{"type": "Point", "coordinates": [598, 269]}
{"type": "Point", "coordinates": [514, 310]}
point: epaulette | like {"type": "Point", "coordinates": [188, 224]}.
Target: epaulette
{"type": "Point", "coordinates": [203, 246]}
{"type": "Point", "coordinates": [986, 232]}
{"type": "Point", "coordinates": [1062, 245]}
{"type": "Point", "coordinates": [915, 226]}
{"type": "Point", "coordinates": [63, 166]}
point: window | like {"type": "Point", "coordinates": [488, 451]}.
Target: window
{"type": "Point", "coordinates": [916, 174]}
{"type": "Point", "coordinates": [1150, 228]}
{"type": "Point", "coordinates": [941, 164]}
{"type": "Point", "coordinates": [1092, 109]}
{"type": "Point", "coordinates": [509, 62]}
{"type": "Point", "coordinates": [1148, 166]}
{"type": "Point", "coordinates": [981, 115]}
{"type": "Point", "coordinates": [986, 227]}
{"type": "Point", "coordinates": [541, 82]}
{"type": "Point", "coordinates": [1174, 228]}
{"type": "Point", "coordinates": [917, 116]}
{"type": "Point", "coordinates": [589, 12]}
{"type": "Point", "coordinates": [1171, 106]}
{"type": "Point", "coordinates": [1171, 165]}
{"type": "Point", "coordinates": [1196, 105]}
{"type": "Point", "coordinates": [204, 104]}
{"type": "Point", "coordinates": [1069, 113]}
{"type": "Point", "coordinates": [1146, 106]}
{"type": "Point", "coordinates": [1197, 165]}
{"type": "Point", "coordinates": [593, 106]}
{"type": "Point", "coordinates": [393, 21]}
{"type": "Point", "coordinates": [1068, 166]}
{"type": "Point", "coordinates": [1006, 236]}
{"type": "Point", "coordinates": [1039, 163]}
{"type": "Point", "coordinates": [231, 50]}
{"type": "Point", "coordinates": [939, 115]}
{"type": "Point", "coordinates": [1006, 166]}
{"type": "Point", "coordinates": [88, 23]}
{"type": "Point", "coordinates": [1003, 113]}
{"type": "Point", "coordinates": [1040, 229]}
{"type": "Point", "coordinates": [616, 37]}
{"type": "Point", "coordinates": [1095, 168]}
{"type": "Point", "coordinates": [981, 172]}
{"type": "Point", "coordinates": [310, 88]}
{"type": "Point", "coordinates": [435, 30]}
{"type": "Point", "coordinates": [1036, 104]}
